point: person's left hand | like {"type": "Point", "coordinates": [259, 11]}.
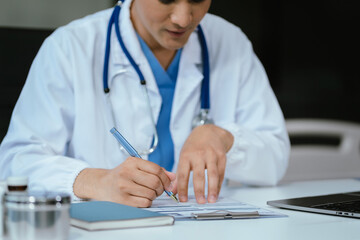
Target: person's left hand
{"type": "Point", "coordinates": [205, 148]}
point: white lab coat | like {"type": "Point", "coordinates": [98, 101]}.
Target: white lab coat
{"type": "Point", "coordinates": [61, 122]}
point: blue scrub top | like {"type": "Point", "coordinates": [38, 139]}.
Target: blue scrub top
{"type": "Point", "coordinates": [166, 81]}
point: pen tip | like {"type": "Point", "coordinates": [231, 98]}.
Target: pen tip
{"type": "Point", "coordinates": [175, 198]}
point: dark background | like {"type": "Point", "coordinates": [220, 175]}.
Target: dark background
{"type": "Point", "coordinates": [310, 50]}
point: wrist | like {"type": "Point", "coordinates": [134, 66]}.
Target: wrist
{"type": "Point", "coordinates": [86, 183]}
{"type": "Point", "coordinates": [226, 137]}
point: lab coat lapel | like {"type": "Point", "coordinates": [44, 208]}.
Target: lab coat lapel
{"type": "Point", "coordinates": [131, 42]}
{"type": "Point", "coordinates": [128, 34]}
{"type": "Point", "coordinates": [189, 77]}
{"type": "Point", "coordinates": [120, 64]}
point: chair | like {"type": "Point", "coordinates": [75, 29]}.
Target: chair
{"type": "Point", "coordinates": [323, 149]}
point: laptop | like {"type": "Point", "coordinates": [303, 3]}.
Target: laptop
{"type": "Point", "coordinates": [343, 204]}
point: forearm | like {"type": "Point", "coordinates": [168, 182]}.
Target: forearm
{"type": "Point", "coordinates": [46, 171]}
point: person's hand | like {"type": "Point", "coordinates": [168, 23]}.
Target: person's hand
{"type": "Point", "coordinates": [135, 182]}
{"type": "Point", "coordinates": [205, 148]}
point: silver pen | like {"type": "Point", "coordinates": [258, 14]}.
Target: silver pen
{"type": "Point", "coordinates": [134, 153]}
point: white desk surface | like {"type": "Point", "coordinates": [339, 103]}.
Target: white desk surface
{"type": "Point", "coordinates": [298, 225]}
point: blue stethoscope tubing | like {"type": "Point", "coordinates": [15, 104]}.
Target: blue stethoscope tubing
{"type": "Point", "coordinates": [202, 117]}
{"type": "Point", "coordinates": [205, 88]}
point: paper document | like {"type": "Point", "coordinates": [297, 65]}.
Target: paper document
{"type": "Point", "coordinates": [224, 208]}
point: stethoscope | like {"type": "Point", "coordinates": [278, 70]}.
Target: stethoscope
{"type": "Point", "coordinates": [201, 119]}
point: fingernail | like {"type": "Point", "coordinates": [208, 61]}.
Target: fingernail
{"type": "Point", "coordinates": [182, 198]}
{"type": "Point", "coordinates": [212, 199]}
{"type": "Point", "coordinates": [201, 199]}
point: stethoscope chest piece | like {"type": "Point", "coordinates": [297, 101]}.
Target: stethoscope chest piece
{"type": "Point", "coordinates": [202, 118]}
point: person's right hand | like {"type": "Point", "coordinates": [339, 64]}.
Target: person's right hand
{"type": "Point", "coordinates": [135, 182]}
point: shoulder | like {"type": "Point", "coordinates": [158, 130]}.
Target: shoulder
{"type": "Point", "coordinates": [219, 32]}
{"type": "Point", "coordinates": [225, 40]}
{"type": "Point", "coordinates": [220, 28]}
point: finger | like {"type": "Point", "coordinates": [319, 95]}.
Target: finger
{"type": "Point", "coordinates": [183, 172]}
{"type": "Point", "coordinates": [156, 170]}
{"type": "Point", "coordinates": [125, 192]}
{"type": "Point", "coordinates": [137, 190]}
{"type": "Point", "coordinates": [213, 179]}
{"type": "Point", "coordinates": [199, 181]}
{"type": "Point", "coordinates": [173, 186]}
{"type": "Point", "coordinates": [150, 181]}
{"type": "Point", "coordinates": [172, 177]}
{"type": "Point", "coordinates": [136, 201]}
{"type": "Point", "coordinates": [221, 169]}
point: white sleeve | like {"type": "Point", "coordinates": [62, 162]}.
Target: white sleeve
{"type": "Point", "coordinates": [259, 155]}
{"type": "Point", "coordinates": [40, 130]}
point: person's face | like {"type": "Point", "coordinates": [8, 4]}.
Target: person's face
{"type": "Point", "coordinates": [167, 24]}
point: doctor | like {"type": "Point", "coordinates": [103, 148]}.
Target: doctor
{"type": "Point", "coordinates": [59, 131]}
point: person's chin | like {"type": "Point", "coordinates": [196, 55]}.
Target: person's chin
{"type": "Point", "coordinates": [177, 43]}
{"type": "Point", "coordinates": [175, 46]}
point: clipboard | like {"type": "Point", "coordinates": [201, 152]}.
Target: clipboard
{"type": "Point", "coordinates": [223, 214]}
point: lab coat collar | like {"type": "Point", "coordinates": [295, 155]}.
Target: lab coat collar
{"type": "Point", "coordinates": [129, 37]}
{"type": "Point", "coordinates": [118, 58]}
